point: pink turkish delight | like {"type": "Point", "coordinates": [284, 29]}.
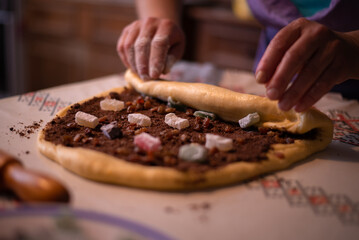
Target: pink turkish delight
{"type": "Point", "coordinates": [146, 142]}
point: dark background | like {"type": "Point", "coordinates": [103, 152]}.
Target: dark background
{"type": "Point", "coordinates": [46, 43]}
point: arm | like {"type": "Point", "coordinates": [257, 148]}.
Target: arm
{"type": "Point", "coordinates": [166, 9]}
{"type": "Point", "coordinates": [315, 57]}
{"type": "Point", "coordinates": [151, 45]}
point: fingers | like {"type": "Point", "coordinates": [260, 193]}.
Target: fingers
{"type": "Point", "coordinates": [275, 52]}
{"type": "Point", "coordinates": [292, 62]}
{"type": "Point", "coordinates": [150, 47]}
{"type": "Point", "coordinates": [323, 85]}
{"type": "Point", "coordinates": [121, 48]}
{"type": "Point", "coordinates": [143, 48]}
{"type": "Point", "coordinates": [126, 48]}
{"type": "Point", "coordinates": [298, 64]}
{"type": "Point", "coordinates": [306, 78]}
{"type": "Point", "coordinates": [167, 46]}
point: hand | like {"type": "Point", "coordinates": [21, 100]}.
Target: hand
{"type": "Point", "coordinates": [315, 57]}
{"type": "Point", "coordinates": [151, 46]}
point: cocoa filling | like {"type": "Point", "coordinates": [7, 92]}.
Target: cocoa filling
{"type": "Point", "coordinates": [250, 145]}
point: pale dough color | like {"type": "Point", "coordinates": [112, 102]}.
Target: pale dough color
{"type": "Point", "coordinates": [228, 105]}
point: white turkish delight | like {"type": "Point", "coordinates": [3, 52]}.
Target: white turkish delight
{"type": "Point", "coordinates": [249, 120]}
{"type": "Point", "coordinates": [86, 120]}
{"type": "Point", "coordinates": [111, 130]}
{"type": "Point", "coordinates": [112, 104]}
{"type": "Point", "coordinates": [193, 152]}
{"type": "Point", "coordinates": [176, 122]}
{"type": "Point", "coordinates": [219, 142]}
{"type": "Point", "coordinates": [147, 142]}
{"type": "Point", "coordinates": [139, 119]}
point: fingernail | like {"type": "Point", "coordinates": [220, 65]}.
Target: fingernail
{"type": "Point", "coordinates": [169, 63]}
{"type": "Point", "coordinates": [272, 93]}
{"type": "Point", "coordinates": [261, 77]}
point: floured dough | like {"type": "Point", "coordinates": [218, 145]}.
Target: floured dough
{"type": "Point", "coordinates": [226, 104]}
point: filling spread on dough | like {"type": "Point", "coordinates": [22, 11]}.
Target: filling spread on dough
{"type": "Point", "coordinates": [148, 131]}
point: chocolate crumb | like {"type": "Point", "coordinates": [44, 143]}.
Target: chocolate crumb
{"type": "Point", "coordinates": [26, 131]}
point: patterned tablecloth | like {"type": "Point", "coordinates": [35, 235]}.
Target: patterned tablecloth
{"type": "Point", "coordinates": [318, 198]}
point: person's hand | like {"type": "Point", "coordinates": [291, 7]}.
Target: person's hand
{"type": "Point", "coordinates": [315, 57]}
{"type": "Point", "coordinates": [150, 47]}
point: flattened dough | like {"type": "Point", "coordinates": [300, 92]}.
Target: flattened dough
{"type": "Point", "coordinates": [228, 105]}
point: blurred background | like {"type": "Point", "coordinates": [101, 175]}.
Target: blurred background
{"type": "Point", "coordinates": [45, 43]}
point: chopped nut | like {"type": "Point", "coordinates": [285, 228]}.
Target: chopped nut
{"type": "Point", "coordinates": [86, 139]}
{"type": "Point", "coordinates": [78, 137]}
{"type": "Point", "coordinates": [140, 100]}
{"type": "Point", "coordinates": [271, 133]}
{"type": "Point", "coordinates": [228, 129]}
{"type": "Point", "coordinates": [131, 109]}
{"type": "Point", "coordinates": [189, 112]}
{"type": "Point", "coordinates": [88, 131]}
{"type": "Point", "coordinates": [122, 151]}
{"type": "Point", "coordinates": [213, 151]}
{"type": "Point", "coordinates": [184, 137]}
{"type": "Point", "coordinates": [147, 104]}
{"type": "Point", "coordinates": [263, 130]}
{"type": "Point", "coordinates": [169, 160]}
{"type": "Point", "coordinates": [170, 110]}
{"type": "Point", "coordinates": [175, 132]}
{"type": "Point", "coordinates": [66, 140]}
{"type": "Point", "coordinates": [154, 109]}
{"type": "Point", "coordinates": [206, 122]}
{"type": "Point", "coordinates": [198, 120]}
{"type": "Point", "coordinates": [138, 107]}
{"type": "Point", "coordinates": [102, 119]}
{"type": "Point", "coordinates": [161, 109]}
{"type": "Point", "coordinates": [150, 157]}
{"type": "Point", "coordinates": [141, 130]}
{"type": "Point", "coordinates": [95, 142]}
{"type": "Point", "coordinates": [197, 127]}
{"type": "Point", "coordinates": [71, 125]}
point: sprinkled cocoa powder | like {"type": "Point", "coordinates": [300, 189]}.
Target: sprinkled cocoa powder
{"type": "Point", "coordinates": [26, 131]}
{"type": "Point", "coordinates": [250, 144]}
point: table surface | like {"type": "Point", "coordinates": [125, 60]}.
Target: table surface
{"type": "Point", "coordinates": [315, 199]}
